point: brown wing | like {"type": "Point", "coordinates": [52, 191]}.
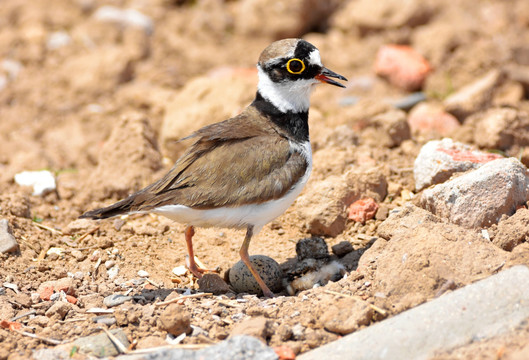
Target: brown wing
{"type": "Point", "coordinates": [231, 163]}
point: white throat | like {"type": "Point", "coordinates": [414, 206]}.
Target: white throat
{"type": "Point", "coordinates": [286, 96]}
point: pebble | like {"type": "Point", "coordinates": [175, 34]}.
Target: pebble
{"type": "Point", "coordinates": [58, 310]}
{"type": "Point", "coordinates": [101, 345]}
{"type": "Point", "coordinates": [175, 320]}
{"type": "Point", "coordinates": [180, 270]}
{"type": "Point", "coordinates": [342, 248]}
{"type": "Point", "coordinates": [109, 263]}
{"type": "Point", "coordinates": [78, 255]}
{"type": "Point", "coordinates": [65, 284]}
{"type": "Point", "coordinates": [499, 187]}
{"type": "Point", "coordinates": [438, 160]}
{"type": "Point", "coordinates": [8, 243]}
{"type": "Point", "coordinates": [258, 327]}
{"type": "Point", "coordinates": [500, 128]}
{"type": "Point", "coordinates": [242, 280]}
{"type": "Point", "coordinates": [116, 299]}
{"type": "Point", "coordinates": [113, 272]}
{"type": "Point", "coordinates": [143, 273]}
{"type": "Point", "coordinates": [346, 315]}
{"type": "Point", "coordinates": [42, 181]}
{"type": "Point", "coordinates": [105, 320]}
{"type": "Point", "coordinates": [473, 97]}
{"type": "Point", "coordinates": [312, 248]}
{"type": "Point", "coordinates": [402, 66]}
{"type": "Point", "coordinates": [124, 18]}
{"type": "Point", "coordinates": [57, 40]}
{"type": "Point", "coordinates": [407, 102]}
{"type": "Point", "coordinates": [429, 118]}
{"type": "Point", "coordinates": [362, 210]}
{"type": "Point", "coordinates": [213, 283]}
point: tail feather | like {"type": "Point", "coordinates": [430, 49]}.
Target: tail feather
{"type": "Point", "coordinates": [120, 208]}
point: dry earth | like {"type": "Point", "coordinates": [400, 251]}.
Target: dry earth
{"type": "Point", "coordinates": [100, 103]}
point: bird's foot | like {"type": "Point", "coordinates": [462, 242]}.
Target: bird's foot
{"type": "Point", "coordinates": [197, 268]}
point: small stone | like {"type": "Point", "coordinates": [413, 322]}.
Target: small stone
{"type": "Point", "coordinates": [388, 129]}
{"type": "Point", "coordinates": [46, 293]}
{"type": "Point", "coordinates": [342, 248]}
{"type": "Point", "coordinates": [213, 283]}
{"type": "Point", "coordinates": [242, 280]}
{"type": "Point", "coordinates": [66, 284]}
{"type": "Point", "coordinates": [512, 231]}
{"type": "Point", "coordinates": [150, 342]}
{"type": "Point", "coordinates": [473, 97]}
{"type": "Point", "coordinates": [109, 263]}
{"type": "Point", "coordinates": [101, 345]}
{"type": "Point", "coordinates": [78, 255]}
{"type": "Point", "coordinates": [116, 299]}
{"type": "Point", "coordinates": [500, 128]}
{"type": "Point", "coordinates": [41, 181]}
{"type": "Point", "coordinates": [143, 274]}
{"type": "Point", "coordinates": [258, 327]}
{"type": "Point", "coordinates": [180, 270]}
{"type": "Point", "coordinates": [124, 18]}
{"type": "Point", "coordinates": [427, 118]}
{"type": "Point", "coordinates": [312, 248]}
{"type": "Point", "coordinates": [8, 243]}
{"type": "Point", "coordinates": [402, 66]}
{"type": "Point", "coordinates": [363, 210]}
{"type": "Point", "coordinates": [104, 319]}
{"type": "Point", "coordinates": [175, 320]}
{"type": "Point", "coordinates": [113, 272]}
{"type": "Point", "coordinates": [346, 316]}
{"type": "Point", "coordinates": [58, 310]}
{"type": "Point", "coordinates": [78, 226]}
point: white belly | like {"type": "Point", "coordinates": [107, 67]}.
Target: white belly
{"type": "Point", "coordinates": [257, 215]}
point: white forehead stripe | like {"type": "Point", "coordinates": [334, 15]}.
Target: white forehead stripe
{"type": "Point", "coordinates": [314, 58]}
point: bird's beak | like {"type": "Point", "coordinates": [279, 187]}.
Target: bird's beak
{"type": "Point", "coordinates": [325, 74]}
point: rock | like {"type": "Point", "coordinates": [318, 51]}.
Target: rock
{"type": "Point", "coordinates": [42, 181]}
{"type": "Point", "coordinates": [362, 210]}
{"type": "Point", "coordinates": [101, 345]}
{"type": "Point", "coordinates": [128, 314]}
{"type": "Point", "coordinates": [346, 315]}
{"type": "Point", "coordinates": [388, 129]}
{"type": "Point", "coordinates": [78, 226]}
{"type": "Point", "coordinates": [258, 327]}
{"type": "Point", "coordinates": [175, 320]}
{"type": "Point", "coordinates": [116, 177]}
{"type": "Point", "coordinates": [402, 66]}
{"type": "Point", "coordinates": [124, 18]}
{"type": "Point", "coordinates": [237, 347]}
{"type": "Point", "coordinates": [438, 160]}
{"type": "Point", "coordinates": [431, 118]}
{"type": "Point", "coordinates": [51, 354]}
{"type": "Point", "coordinates": [479, 198]}
{"type": "Point", "coordinates": [58, 310]}
{"type": "Point", "coordinates": [312, 248]}
{"type": "Point", "coordinates": [46, 293]}
{"type": "Point", "coordinates": [242, 280]}
{"type": "Point", "coordinates": [447, 321]}
{"type": "Point", "coordinates": [473, 97]}
{"type": "Point", "coordinates": [143, 274]}
{"type": "Point", "coordinates": [367, 16]}
{"type": "Point", "coordinates": [203, 101]}
{"type": "Point", "coordinates": [8, 243]}
{"type": "Point", "coordinates": [213, 283]}
{"type": "Point", "coordinates": [150, 342]}
{"type": "Point", "coordinates": [18, 205]}
{"type": "Point", "coordinates": [342, 248]}
{"type": "Point", "coordinates": [116, 299]}
{"type": "Point", "coordinates": [66, 284]}
{"type": "Point", "coordinates": [501, 128]}
{"type": "Point", "coordinates": [283, 20]}
{"type": "Point", "coordinates": [104, 319]}
{"type": "Point", "coordinates": [407, 102]}
{"type": "Point", "coordinates": [512, 231]}
{"type": "Point", "coordinates": [323, 206]}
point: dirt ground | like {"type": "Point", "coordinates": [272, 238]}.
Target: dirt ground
{"type": "Point", "coordinates": [100, 103]}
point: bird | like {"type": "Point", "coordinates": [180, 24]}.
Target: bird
{"type": "Point", "coordinates": [245, 171]}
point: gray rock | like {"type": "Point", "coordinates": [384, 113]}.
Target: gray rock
{"type": "Point", "coordinates": [8, 243]}
{"type": "Point", "coordinates": [479, 198]}
{"type": "Point", "coordinates": [438, 160]}
{"type": "Point", "coordinates": [100, 345]}
{"type": "Point", "coordinates": [116, 299]}
{"type": "Point", "coordinates": [104, 319]}
{"type": "Point", "coordinates": [236, 348]}
{"type": "Point", "coordinates": [342, 248]}
{"type": "Point", "coordinates": [213, 283]}
{"type": "Point", "coordinates": [478, 311]}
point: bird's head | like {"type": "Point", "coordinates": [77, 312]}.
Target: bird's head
{"type": "Point", "coordinates": [288, 70]}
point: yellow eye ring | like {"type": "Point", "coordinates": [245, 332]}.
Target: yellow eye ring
{"type": "Point", "coordinates": [296, 72]}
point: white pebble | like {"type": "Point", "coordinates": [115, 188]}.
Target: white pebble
{"type": "Point", "coordinates": [113, 272]}
{"type": "Point", "coordinates": [41, 181]}
{"type": "Point", "coordinates": [143, 273]}
{"type": "Point", "coordinates": [180, 270]}
{"type": "Point", "coordinates": [57, 40]}
{"type": "Point", "coordinates": [125, 17]}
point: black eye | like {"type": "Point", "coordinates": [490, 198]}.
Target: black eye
{"type": "Point", "coordinates": [295, 66]}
